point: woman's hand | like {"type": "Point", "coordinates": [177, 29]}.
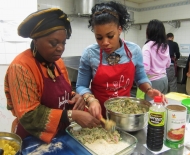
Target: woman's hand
{"type": "Point", "coordinates": [78, 101]}
{"type": "Point", "coordinates": [95, 109]}
{"type": "Point", "coordinates": [85, 119]}
{"type": "Point", "coordinates": [188, 74]}
{"type": "Point", "coordinates": [154, 92]}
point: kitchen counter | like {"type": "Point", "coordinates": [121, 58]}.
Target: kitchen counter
{"type": "Point", "coordinates": [71, 147]}
{"type": "Point", "coordinates": [72, 64]}
{"type": "Point", "coordinates": [141, 136]}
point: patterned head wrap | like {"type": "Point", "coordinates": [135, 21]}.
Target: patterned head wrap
{"type": "Point", "coordinates": [44, 22]}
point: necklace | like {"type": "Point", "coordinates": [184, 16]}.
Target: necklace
{"type": "Point", "coordinates": [113, 59]}
{"type": "Point", "coordinates": [50, 66]}
{"type": "Point", "coordinates": [50, 73]}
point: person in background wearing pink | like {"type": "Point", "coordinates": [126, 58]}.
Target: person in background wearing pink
{"type": "Point", "coordinates": [156, 56]}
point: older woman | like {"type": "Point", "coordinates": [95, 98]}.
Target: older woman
{"type": "Point", "coordinates": [37, 87]}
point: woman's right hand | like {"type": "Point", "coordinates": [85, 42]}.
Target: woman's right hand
{"type": "Point", "coordinates": [85, 119]}
{"type": "Point", "coordinates": [188, 74]}
{"type": "Point", "coordinates": [95, 109]}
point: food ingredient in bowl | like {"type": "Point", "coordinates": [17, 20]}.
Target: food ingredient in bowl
{"type": "Point", "coordinates": [126, 106]}
{"type": "Point", "coordinates": [86, 135]}
{"type": "Point", "coordinates": [9, 147]}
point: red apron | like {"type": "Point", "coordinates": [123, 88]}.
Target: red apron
{"type": "Point", "coordinates": [113, 81]}
{"type": "Point", "coordinates": [55, 95]}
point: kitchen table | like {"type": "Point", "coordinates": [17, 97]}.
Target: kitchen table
{"type": "Point", "coordinates": [71, 147]}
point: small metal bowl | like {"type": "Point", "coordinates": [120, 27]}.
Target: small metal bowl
{"type": "Point", "coordinates": [11, 138]}
{"type": "Point", "coordinates": [128, 122]}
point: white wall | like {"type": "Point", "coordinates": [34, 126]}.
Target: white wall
{"type": "Point", "coordinates": [164, 10]}
{"type": "Point", "coordinates": [6, 116]}
{"type": "Point", "coordinates": [81, 37]}
{"type": "Point", "coordinates": [11, 14]}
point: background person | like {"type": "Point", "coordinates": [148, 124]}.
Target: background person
{"type": "Point", "coordinates": [37, 87]}
{"type": "Point", "coordinates": [188, 76]}
{"type": "Point", "coordinates": [112, 64]}
{"type": "Point", "coordinates": [172, 70]}
{"type": "Point", "coordinates": [156, 56]}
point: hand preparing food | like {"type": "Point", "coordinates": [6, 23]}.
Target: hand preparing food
{"type": "Point", "coordinates": [86, 135]}
{"type": "Point", "coordinates": [99, 141]}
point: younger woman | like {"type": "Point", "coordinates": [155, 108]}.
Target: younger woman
{"type": "Point", "coordinates": [112, 64]}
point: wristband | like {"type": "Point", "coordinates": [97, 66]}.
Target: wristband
{"type": "Point", "coordinates": [91, 100]}
{"type": "Point", "coordinates": [69, 115]}
{"type": "Point", "coordinates": [87, 96]}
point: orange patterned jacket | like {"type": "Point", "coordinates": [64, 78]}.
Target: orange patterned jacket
{"type": "Point", "coordinates": [23, 89]}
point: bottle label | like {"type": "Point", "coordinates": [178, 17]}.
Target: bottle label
{"type": "Point", "coordinates": [156, 119]}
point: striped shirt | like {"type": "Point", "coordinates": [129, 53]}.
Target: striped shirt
{"type": "Point", "coordinates": [23, 89]}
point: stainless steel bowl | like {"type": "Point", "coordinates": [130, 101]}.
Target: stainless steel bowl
{"type": "Point", "coordinates": [128, 122]}
{"type": "Point", "coordinates": [13, 140]}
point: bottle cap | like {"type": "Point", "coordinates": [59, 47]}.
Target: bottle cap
{"type": "Point", "coordinates": [158, 99]}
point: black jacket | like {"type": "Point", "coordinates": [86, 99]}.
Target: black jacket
{"type": "Point", "coordinates": [185, 71]}
{"type": "Point", "coordinates": [174, 50]}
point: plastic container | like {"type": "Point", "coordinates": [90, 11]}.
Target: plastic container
{"type": "Point", "coordinates": [186, 103]}
{"type": "Point", "coordinates": [155, 132]}
{"type": "Point", "coordinates": [175, 126]}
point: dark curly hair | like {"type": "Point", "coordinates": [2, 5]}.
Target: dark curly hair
{"type": "Point", "coordinates": [108, 12]}
{"type": "Point", "coordinates": [156, 32]}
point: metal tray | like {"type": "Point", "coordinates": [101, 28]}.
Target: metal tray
{"type": "Point", "coordinates": [127, 138]}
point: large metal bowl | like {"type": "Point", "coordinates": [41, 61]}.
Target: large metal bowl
{"type": "Point", "coordinates": [12, 140]}
{"type": "Point", "coordinates": [128, 122]}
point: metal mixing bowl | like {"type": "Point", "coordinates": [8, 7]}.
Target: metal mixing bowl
{"type": "Point", "coordinates": [128, 122]}
{"type": "Point", "coordinates": [13, 140]}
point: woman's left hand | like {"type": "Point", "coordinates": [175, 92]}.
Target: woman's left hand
{"type": "Point", "coordinates": [78, 101]}
{"type": "Point", "coordinates": [154, 92]}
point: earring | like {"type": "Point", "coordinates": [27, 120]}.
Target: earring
{"type": "Point", "coordinates": [34, 51]}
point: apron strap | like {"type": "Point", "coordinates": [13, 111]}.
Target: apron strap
{"type": "Point", "coordinates": [38, 64]}
{"type": "Point", "coordinates": [127, 51]}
